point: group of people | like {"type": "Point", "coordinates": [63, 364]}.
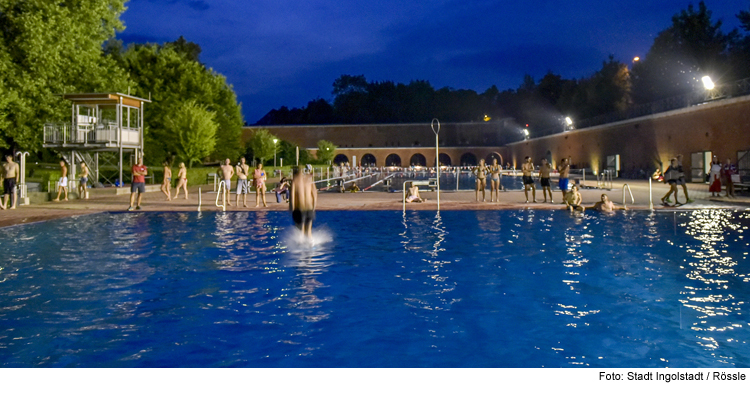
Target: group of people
{"type": "Point", "coordinates": [494, 171]}
{"type": "Point", "coordinates": [722, 174]}
{"type": "Point", "coordinates": [675, 176]}
{"type": "Point", "coordinates": [571, 197]}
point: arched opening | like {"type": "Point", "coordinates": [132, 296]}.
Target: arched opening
{"type": "Point", "coordinates": [368, 160]}
{"type": "Point", "coordinates": [494, 156]}
{"type": "Point", "coordinates": [339, 159]}
{"type": "Point", "coordinates": [469, 159]}
{"type": "Point", "coordinates": [393, 160]}
{"type": "Point", "coordinates": [445, 160]}
{"type": "Point", "coordinates": [418, 160]}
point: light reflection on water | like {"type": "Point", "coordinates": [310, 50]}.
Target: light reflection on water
{"type": "Point", "coordinates": [485, 288]}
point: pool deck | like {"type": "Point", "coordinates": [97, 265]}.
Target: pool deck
{"type": "Point", "coordinates": [376, 200]}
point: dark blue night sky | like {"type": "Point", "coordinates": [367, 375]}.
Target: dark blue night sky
{"type": "Point", "coordinates": [288, 52]}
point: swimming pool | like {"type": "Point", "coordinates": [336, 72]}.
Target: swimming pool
{"type": "Point", "coordinates": [463, 289]}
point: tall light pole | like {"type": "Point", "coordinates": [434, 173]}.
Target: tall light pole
{"type": "Point", "coordinates": [274, 152]}
{"type": "Point", "coordinates": [436, 128]}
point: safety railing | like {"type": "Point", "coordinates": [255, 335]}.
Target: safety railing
{"type": "Point", "coordinates": [632, 200]}
{"type": "Point", "coordinates": [222, 190]}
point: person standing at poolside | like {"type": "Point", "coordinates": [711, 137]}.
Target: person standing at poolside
{"type": "Point", "coordinates": [495, 181]}
{"type": "Point", "coordinates": [528, 182]}
{"type": "Point", "coordinates": [63, 182]}
{"type": "Point", "coordinates": [243, 187]}
{"type": "Point", "coordinates": [727, 171]}
{"type": "Point", "coordinates": [564, 170]}
{"type": "Point", "coordinates": [166, 183]}
{"type": "Point", "coordinates": [182, 181]}
{"type": "Point", "coordinates": [302, 201]}
{"type": "Point", "coordinates": [681, 180]}
{"type": "Point", "coordinates": [138, 185]}
{"type": "Point", "coordinates": [714, 178]}
{"type": "Point", "coordinates": [82, 188]}
{"type": "Point", "coordinates": [259, 180]}
{"type": "Point", "coordinates": [226, 172]}
{"type": "Point", "coordinates": [481, 184]}
{"type": "Point", "coordinates": [544, 171]}
{"type": "Point", "coordinates": [11, 173]}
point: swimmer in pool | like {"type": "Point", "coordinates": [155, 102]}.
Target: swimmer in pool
{"type": "Point", "coordinates": [302, 201]}
{"type": "Point", "coordinates": [605, 205]}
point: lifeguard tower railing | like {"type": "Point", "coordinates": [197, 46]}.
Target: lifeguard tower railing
{"type": "Point", "coordinates": [103, 134]}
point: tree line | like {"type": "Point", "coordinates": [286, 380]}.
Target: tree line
{"type": "Point", "coordinates": [692, 46]}
{"type": "Point", "coordinates": [50, 48]}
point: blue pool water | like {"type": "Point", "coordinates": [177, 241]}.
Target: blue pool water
{"type": "Point", "coordinates": [378, 289]}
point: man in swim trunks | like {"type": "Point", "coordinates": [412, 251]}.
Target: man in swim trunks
{"type": "Point", "coordinates": [481, 173]}
{"type": "Point", "coordinates": [63, 184]}
{"type": "Point", "coordinates": [302, 201]}
{"type": "Point", "coordinates": [243, 187]}
{"type": "Point", "coordinates": [138, 185]}
{"type": "Point", "coordinates": [226, 172]}
{"type": "Point", "coordinates": [544, 171]}
{"type": "Point", "coordinates": [573, 200]}
{"type": "Point", "coordinates": [11, 173]}
{"type": "Point", "coordinates": [564, 170]}
{"type": "Point", "coordinates": [82, 190]}
{"type": "Point", "coordinates": [528, 182]}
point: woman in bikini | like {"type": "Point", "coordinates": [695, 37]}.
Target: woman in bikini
{"type": "Point", "coordinates": [181, 181]}
{"type": "Point", "coordinates": [166, 184]}
{"type": "Point", "coordinates": [259, 179]}
{"type": "Point", "coordinates": [481, 172]}
{"type": "Point", "coordinates": [494, 180]}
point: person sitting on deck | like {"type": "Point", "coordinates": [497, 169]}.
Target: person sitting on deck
{"type": "Point", "coordinates": [354, 188]}
{"type": "Point", "coordinates": [412, 195]}
{"type": "Point", "coordinates": [282, 190]}
{"type": "Point", "coordinates": [573, 199]}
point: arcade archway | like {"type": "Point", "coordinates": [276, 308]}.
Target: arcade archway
{"type": "Point", "coordinates": [469, 159]}
{"type": "Point", "coordinates": [393, 160]}
{"type": "Point", "coordinates": [445, 160]}
{"type": "Point", "coordinates": [341, 158]}
{"type": "Point", "coordinates": [418, 160]}
{"type": "Point", "coordinates": [494, 156]}
{"type": "Point", "coordinates": [368, 160]}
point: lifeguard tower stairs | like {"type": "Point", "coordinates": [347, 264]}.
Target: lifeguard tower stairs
{"type": "Point", "coordinates": [100, 122]}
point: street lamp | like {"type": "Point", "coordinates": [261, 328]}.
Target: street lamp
{"type": "Point", "coordinates": [568, 123]}
{"type": "Point", "coordinates": [274, 152]}
{"type": "Point", "coordinates": [525, 134]}
{"type": "Point", "coordinates": [435, 124]}
{"type": "Point", "coordinates": [708, 83]}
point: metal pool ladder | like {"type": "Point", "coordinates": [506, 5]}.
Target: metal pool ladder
{"type": "Point", "coordinates": [624, 202]}
{"type": "Point", "coordinates": [223, 190]}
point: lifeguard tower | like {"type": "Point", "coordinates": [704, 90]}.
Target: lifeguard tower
{"type": "Point", "coordinates": [100, 122]}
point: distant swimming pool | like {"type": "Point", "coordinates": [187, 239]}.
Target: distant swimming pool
{"type": "Point", "coordinates": [462, 289]}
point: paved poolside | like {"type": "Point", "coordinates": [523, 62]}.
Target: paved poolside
{"type": "Point", "coordinates": [376, 200]}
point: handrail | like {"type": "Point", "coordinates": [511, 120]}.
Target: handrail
{"type": "Point", "coordinates": [650, 196]}
{"type": "Point", "coordinates": [632, 200]}
{"type": "Point", "coordinates": [222, 188]}
{"type": "Point", "coordinates": [199, 199]}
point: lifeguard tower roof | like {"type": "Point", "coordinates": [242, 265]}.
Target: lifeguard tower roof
{"type": "Point", "coordinates": [104, 99]}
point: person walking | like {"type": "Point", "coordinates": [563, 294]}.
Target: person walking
{"type": "Point", "coordinates": [138, 185]}
{"type": "Point", "coordinates": [83, 192]}
{"type": "Point", "coordinates": [166, 183]}
{"type": "Point", "coordinates": [182, 181]}
{"type": "Point", "coordinates": [63, 182]}
{"type": "Point", "coordinates": [727, 171]}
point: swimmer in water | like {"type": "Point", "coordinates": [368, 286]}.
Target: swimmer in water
{"type": "Point", "coordinates": [302, 201]}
